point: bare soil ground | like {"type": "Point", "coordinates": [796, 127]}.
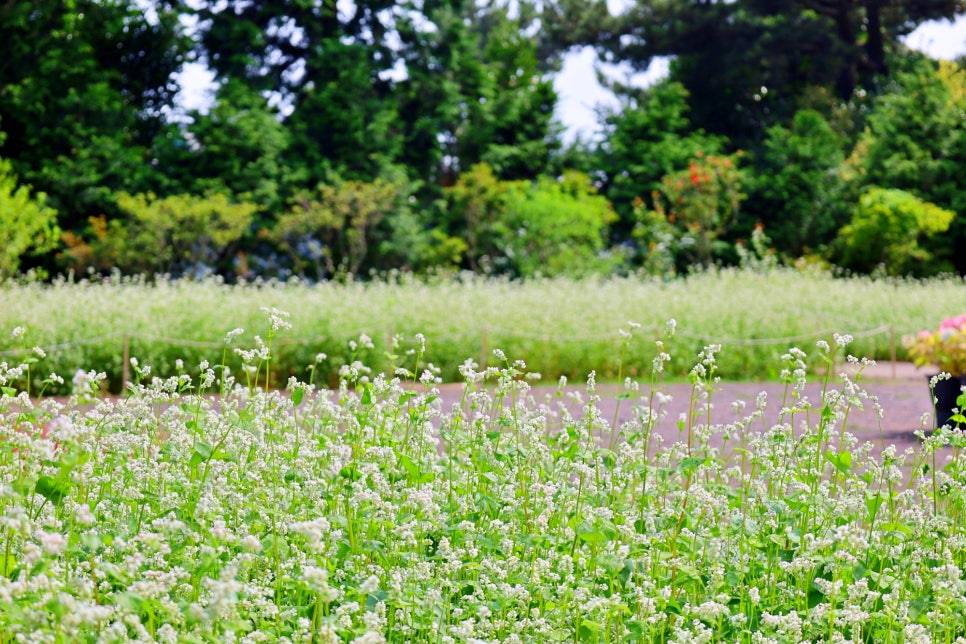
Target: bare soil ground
{"type": "Point", "coordinates": [901, 390]}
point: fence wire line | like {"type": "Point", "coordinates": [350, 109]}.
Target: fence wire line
{"type": "Point", "coordinates": [490, 333]}
{"type": "Point", "coordinates": [793, 338]}
{"type": "Point", "coordinates": [64, 345]}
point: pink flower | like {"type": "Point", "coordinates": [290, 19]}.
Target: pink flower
{"type": "Point", "coordinates": [957, 322]}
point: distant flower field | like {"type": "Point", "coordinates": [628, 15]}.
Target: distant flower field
{"type": "Point", "coordinates": [210, 510]}
{"type": "Point", "coordinates": [561, 326]}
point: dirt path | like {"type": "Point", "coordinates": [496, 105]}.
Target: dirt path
{"type": "Point", "coordinates": [904, 400]}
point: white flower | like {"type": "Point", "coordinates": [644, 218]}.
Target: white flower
{"type": "Point", "coordinates": [842, 340]}
{"type": "Point", "coordinates": [370, 585]}
{"type": "Point", "coordinates": [251, 543]}
{"type": "Point", "coordinates": [670, 328]}
{"type": "Point", "coordinates": [52, 542]}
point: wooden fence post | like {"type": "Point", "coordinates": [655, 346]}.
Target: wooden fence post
{"type": "Point", "coordinates": [483, 352]}
{"type": "Point", "coordinates": [892, 349]}
{"type": "Point", "coordinates": [126, 365]}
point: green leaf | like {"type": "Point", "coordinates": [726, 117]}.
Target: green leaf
{"type": "Point", "coordinates": [54, 490]}
{"type": "Point", "coordinates": [411, 470]}
{"type": "Point", "coordinates": [406, 396]}
{"type": "Point", "coordinates": [873, 501]}
{"type": "Point", "coordinates": [366, 396]}
{"type": "Point", "coordinates": [842, 461]}
{"type": "Point", "coordinates": [130, 601]}
{"type": "Point", "coordinates": [8, 564]}
{"type": "Point", "coordinates": [688, 465]}
{"type": "Point", "coordinates": [589, 631]}
{"type": "Point", "coordinates": [350, 472]}
{"type": "Point", "coordinates": [635, 630]}
{"type": "Point", "coordinates": [203, 449]}
{"type": "Point", "coordinates": [202, 452]}
{"type": "Point", "coordinates": [297, 395]}
{"type": "Point", "coordinates": [271, 542]}
{"type": "Point", "coordinates": [917, 607]}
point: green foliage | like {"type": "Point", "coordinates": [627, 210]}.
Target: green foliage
{"type": "Point", "coordinates": [886, 231]}
{"type": "Point", "coordinates": [329, 231]}
{"type": "Point", "coordinates": [492, 104]}
{"type": "Point", "coordinates": [476, 206]}
{"type": "Point", "coordinates": [237, 147]}
{"type": "Point", "coordinates": [563, 326]}
{"type": "Point", "coordinates": [751, 64]}
{"type": "Point", "coordinates": [796, 190]}
{"type": "Point", "coordinates": [418, 94]}
{"type": "Point", "coordinates": [83, 89]}
{"type": "Point", "coordinates": [916, 141]}
{"type": "Point", "coordinates": [411, 244]}
{"type": "Point", "coordinates": [547, 227]}
{"type": "Point", "coordinates": [700, 203]}
{"type": "Point", "coordinates": [27, 224]}
{"type": "Point", "coordinates": [649, 138]}
{"type": "Point", "coordinates": [345, 120]}
{"type": "Point", "coordinates": [181, 234]}
{"type": "Point", "coordinates": [556, 227]}
{"type": "Point", "coordinates": [99, 248]}
{"type": "Point", "coordinates": [206, 508]}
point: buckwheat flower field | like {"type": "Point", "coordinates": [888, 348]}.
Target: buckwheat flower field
{"type": "Point", "coordinates": [209, 508]}
{"type": "Point", "coordinates": [560, 326]}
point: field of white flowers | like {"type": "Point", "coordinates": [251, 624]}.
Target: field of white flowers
{"type": "Point", "coordinates": [207, 509]}
{"type": "Point", "coordinates": [561, 326]}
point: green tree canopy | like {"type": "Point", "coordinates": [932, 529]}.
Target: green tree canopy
{"type": "Point", "coordinates": [648, 137]}
{"type": "Point", "coordinates": [83, 90]}
{"type": "Point", "coordinates": [27, 223]}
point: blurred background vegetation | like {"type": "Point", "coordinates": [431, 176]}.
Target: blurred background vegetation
{"type": "Point", "coordinates": [352, 138]}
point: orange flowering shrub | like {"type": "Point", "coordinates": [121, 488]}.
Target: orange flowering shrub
{"type": "Point", "coordinates": [701, 202]}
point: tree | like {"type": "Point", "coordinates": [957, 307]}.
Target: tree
{"type": "Point", "coordinates": [330, 67]}
{"type": "Point", "coordinates": [556, 227]}
{"type": "Point", "coordinates": [238, 147]}
{"type": "Point", "coordinates": [750, 64]}
{"type": "Point", "coordinates": [916, 141]}
{"type": "Point", "coordinates": [649, 137]}
{"type": "Point", "coordinates": [795, 190]}
{"type": "Point", "coordinates": [181, 234]}
{"type": "Point", "coordinates": [330, 230]}
{"type": "Point", "coordinates": [886, 231]}
{"type": "Point", "coordinates": [476, 206]}
{"type": "Point", "coordinates": [27, 224]}
{"type": "Point", "coordinates": [83, 90]}
{"type": "Point", "coordinates": [474, 92]}
{"type": "Point", "coordinates": [700, 203]}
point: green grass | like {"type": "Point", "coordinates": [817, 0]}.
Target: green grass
{"type": "Point", "coordinates": [209, 510]}
{"type": "Point", "coordinates": [561, 326]}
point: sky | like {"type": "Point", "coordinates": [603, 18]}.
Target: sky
{"type": "Point", "coordinates": [580, 96]}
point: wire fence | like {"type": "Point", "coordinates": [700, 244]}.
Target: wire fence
{"type": "Point", "coordinates": [484, 331]}
{"type": "Point", "coordinates": [487, 336]}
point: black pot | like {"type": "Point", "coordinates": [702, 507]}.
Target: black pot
{"type": "Point", "coordinates": [944, 395]}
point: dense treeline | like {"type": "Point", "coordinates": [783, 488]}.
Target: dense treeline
{"type": "Point", "coordinates": [351, 137]}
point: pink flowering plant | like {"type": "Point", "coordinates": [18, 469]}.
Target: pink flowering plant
{"type": "Point", "coordinates": [944, 348]}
